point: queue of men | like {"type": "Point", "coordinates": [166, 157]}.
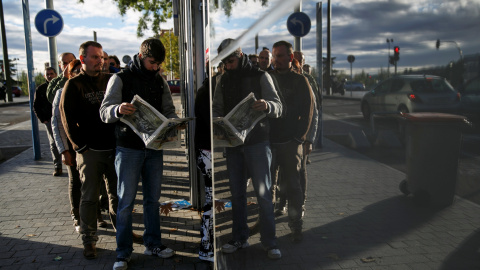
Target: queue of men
{"type": "Point", "coordinates": [276, 150]}
{"type": "Point", "coordinates": [95, 93]}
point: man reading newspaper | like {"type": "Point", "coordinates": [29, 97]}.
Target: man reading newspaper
{"type": "Point", "coordinates": [133, 161]}
{"type": "Point", "coordinates": [254, 154]}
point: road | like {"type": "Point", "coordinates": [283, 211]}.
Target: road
{"type": "Point", "coordinates": [16, 131]}
{"type": "Point", "coordinates": [342, 118]}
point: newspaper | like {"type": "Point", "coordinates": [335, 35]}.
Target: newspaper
{"type": "Point", "coordinates": [156, 131]}
{"type": "Point", "coordinates": [231, 130]}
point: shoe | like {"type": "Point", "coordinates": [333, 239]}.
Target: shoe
{"type": "Point", "coordinates": [89, 251]}
{"type": "Point", "coordinates": [57, 172]}
{"type": "Point", "coordinates": [137, 239]}
{"type": "Point", "coordinates": [281, 207]}
{"type": "Point", "coordinates": [76, 224]}
{"type": "Point", "coordinates": [121, 264]}
{"type": "Point", "coordinates": [162, 252]}
{"type": "Point", "coordinates": [232, 246]}
{"type": "Point", "coordinates": [101, 223]}
{"type": "Point", "coordinates": [297, 236]}
{"type": "Point", "coordinates": [274, 254]}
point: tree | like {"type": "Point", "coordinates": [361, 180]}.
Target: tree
{"type": "Point", "coordinates": [227, 5]}
{"type": "Point", "coordinates": [23, 81]}
{"type": "Point", "coordinates": [13, 70]}
{"type": "Point", "coordinates": [155, 12]}
{"type": "Point", "coordinates": [172, 59]}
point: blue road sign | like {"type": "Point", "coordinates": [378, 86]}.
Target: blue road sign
{"type": "Point", "coordinates": [49, 22]}
{"type": "Point", "coordinates": [298, 24]}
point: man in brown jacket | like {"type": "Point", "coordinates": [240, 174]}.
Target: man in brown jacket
{"type": "Point", "coordinates": [288, 133]}
{"type": "Point", "coordinates": [93, 140]}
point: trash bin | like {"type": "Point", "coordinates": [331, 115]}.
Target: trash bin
{"type": "Point", "coordinates": [433, 142]}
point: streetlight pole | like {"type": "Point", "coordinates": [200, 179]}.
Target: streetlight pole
{"type": "Point", "coordinates": [388, 60]}
{"type": "Point", "coordinates": [454, 42]}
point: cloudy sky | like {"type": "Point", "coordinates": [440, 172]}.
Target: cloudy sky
{"type": "Point", "coordinates": [359, 28]}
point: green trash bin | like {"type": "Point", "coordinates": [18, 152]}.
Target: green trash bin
{"type": "Point", "coordinates": [433, 142]}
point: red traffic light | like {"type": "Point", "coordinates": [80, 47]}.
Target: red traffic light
{"type": "Point", "coordinates": [396, 53]}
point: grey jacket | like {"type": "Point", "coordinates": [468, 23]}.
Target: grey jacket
{"type": "Point", "coordinates": [59, 135]}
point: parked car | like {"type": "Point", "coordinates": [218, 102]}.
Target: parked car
{"type": "Point", "coordinates": [411, 93]}
{"type": "Point", "coordinates": [354, 86]}
{"type": "Point", "coordinates": [174, 86]}
{"type": "Point", "coordinates": [470, 103]}
{"type": "Point", "coordinates": [16, 91]}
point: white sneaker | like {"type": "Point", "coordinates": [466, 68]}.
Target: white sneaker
{"type": "Point", "coordinates": [121, 264]}
{"type": "Point", "coordinates": [232, 246]}
{"type": "Point", "coordinates": [162, 252]}
{"type": "Point", "coordinates": [274, 254]}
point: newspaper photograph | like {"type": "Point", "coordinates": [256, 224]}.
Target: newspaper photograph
{"type": "Point", "coordinates": [231, 130]}
{"type": "Point", "coordinates": [156, 131]}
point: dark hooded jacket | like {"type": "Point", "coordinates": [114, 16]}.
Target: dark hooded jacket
{"type": "Point", "coordinates": [149, 86]}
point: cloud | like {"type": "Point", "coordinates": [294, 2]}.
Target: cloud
{"type": "Point", "coordinates": [359, 27]}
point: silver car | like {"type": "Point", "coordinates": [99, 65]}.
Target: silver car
{"type": "Point", "coordinates": [411, 93]}
{"type": "Point", "coordinates": [354, 86]}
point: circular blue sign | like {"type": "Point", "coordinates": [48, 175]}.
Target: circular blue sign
{"type": "Point", "coordinates": [298, 24]}
{"type": "Point", "coordinates": [49, 22]}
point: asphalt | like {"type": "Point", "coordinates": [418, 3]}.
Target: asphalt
{"type": "Point", "coordinates": [356, 218]}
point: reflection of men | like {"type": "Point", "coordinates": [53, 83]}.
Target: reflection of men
{"type": "Point", "coordinates": [43, 109]}
{"type": "Point", "coordinates": [92, 139]}
{"type": "Point", "coordinates": [133, 161]}
{"type": "Point", "coordinates": [254, 155]}
{"type": "Point", "coordinates": [289, 132]}
{"type": "Point", "coordinates": [317, 94]}
{"type": "Point", "coordinates": [254, 59]}
{"type": "Point", "coordinates": [60, 80]}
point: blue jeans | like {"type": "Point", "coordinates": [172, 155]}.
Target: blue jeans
{"type": "Point", "coordinates": [56, 156]}
{"type": "Point", "coordinates": [131, 166]}
{"type": "Point", "coordinates": [254, 161]}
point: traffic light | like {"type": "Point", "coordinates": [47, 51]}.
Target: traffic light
{"type": "Point", "coordinates": [437, 44]}
{"type": "Point", "coordinates": [396, 53]}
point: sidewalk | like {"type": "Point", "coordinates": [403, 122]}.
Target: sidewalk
{"type": "Point", "coordinates": [16, 101]}
{"type": "Point", "coordinates": [357, 218]}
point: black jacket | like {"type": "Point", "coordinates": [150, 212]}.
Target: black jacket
{"type": "Point", "coordinates": [41, 106]}
{"type": "Point", "coordinates": [149, 86]}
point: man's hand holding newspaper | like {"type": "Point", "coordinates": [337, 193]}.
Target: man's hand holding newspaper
{"type": "Point", "coordinates": [156, 131]}
{"type": "Point", "coordinates": [231, 130]}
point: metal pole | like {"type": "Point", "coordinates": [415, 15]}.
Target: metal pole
{"type": "Point", "coordinates": [388, 59]}
{"type": "Point", "coordinates": [6, 64]}
{"type": "Point", "coordinates": [298, 40]}
{"type": "Point", "coordinates": [319, 73]}
{"type": "Point", "coordinates": [31, 81]}
{"type": "Point", "coordinates": [192, 19]}
{"type": "Point", "coordinates": [329, 49]}
{"type": "Point", "coordinates": [52, 43]}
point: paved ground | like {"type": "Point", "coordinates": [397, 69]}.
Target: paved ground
{"type": "Point", "coordinates": [356, 218]}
